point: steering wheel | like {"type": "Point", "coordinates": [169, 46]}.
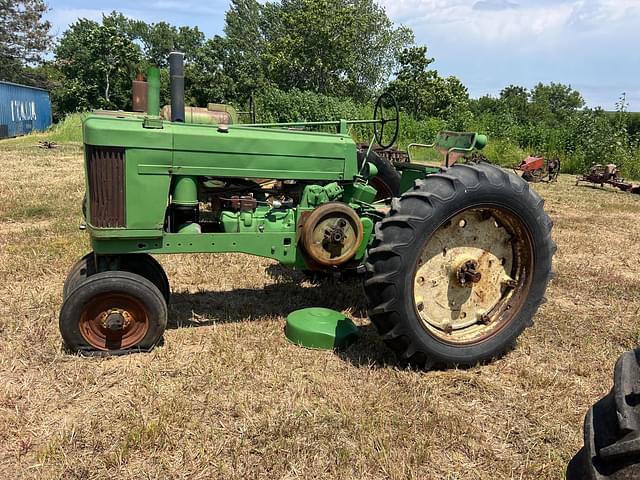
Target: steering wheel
{"type": "Point", "coordinates": [386, 100]}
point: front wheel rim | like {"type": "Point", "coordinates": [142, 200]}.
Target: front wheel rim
{"type": "Point", "coordinates": [473, 275]}
{"type": "Point", "coordinates": [114, 321]}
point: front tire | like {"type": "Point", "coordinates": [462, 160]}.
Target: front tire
{"type": "Point", "coordinates": [139, 263]}
{"type": "Point", "coordinates": [113, 313]}
{"type": "Point", "coordinates": [81, 270]}
{"type": "Point", "coordinates": [459, 267]}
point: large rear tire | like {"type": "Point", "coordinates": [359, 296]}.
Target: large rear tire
{"type": "Point", "coordinates": [459, 266]}
{"type": "Point", "coordinates": [611, 448]}
{"type": "Point", "coordinates": [387, 181]}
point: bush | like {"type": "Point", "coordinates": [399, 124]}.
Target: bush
{"type": "Point", "coordinates": [631, 167]}
{"type": "Point", "coordinates": [68, 129]}
{"type": "Point", "coordinates": [586, 137]}
{"type": "Point", "coordinates": [414, 131]}
{"type": "Point", "coordinates": [297, 106]}
{"type": "Point", "coordinates": [504, 152]}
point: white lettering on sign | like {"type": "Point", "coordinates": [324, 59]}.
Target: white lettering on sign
{"type": "Point", "coordinates": [21, 111]}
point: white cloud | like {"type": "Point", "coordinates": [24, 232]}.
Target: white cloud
{"type": "Point", "coordinates": [426, 11]}
{"type": "Point", "coordinates": [494, 5]}
{"type": "Point", "coordinates": [601, 13]}
{"type": "Point", "coordinates": [587, 43]}
{"type": "Point", "coordinates": [496, 21]}
{"type": "Point", "coordinates": [61, 18]}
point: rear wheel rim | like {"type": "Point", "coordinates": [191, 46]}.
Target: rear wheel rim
{"type": "Point", "coordinates": [114, 321]}
{"type": "Point", "coordinates": [473, 275]}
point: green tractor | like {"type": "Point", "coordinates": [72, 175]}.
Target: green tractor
{"type": "Point", "coordinates": [455, 258]}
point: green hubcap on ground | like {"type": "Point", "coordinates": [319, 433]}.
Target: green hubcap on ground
{"type": "Point", "coordinates": [321, 328]}
{"type": "Point", "coordinates": [472, 275]}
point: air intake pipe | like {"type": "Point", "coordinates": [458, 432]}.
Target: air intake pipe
{"type": "Point", "coordinates": [176, 72]}
{"type": "Point", "coordinates": [153, 91]}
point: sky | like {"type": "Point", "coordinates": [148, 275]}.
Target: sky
{"type": "Point", "coordinates": [489, 44]}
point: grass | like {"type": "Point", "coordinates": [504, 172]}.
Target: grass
{"type": "Point", "coordinates": [227, 396]}
{"type": "Point", "coordinates": [69, 130]}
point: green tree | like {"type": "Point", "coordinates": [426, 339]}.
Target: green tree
{"type": "Point", "coordinates": [205, 78]}
{"type": "Point", "coordinates": [336, 47]}
{"type": "Point", "coordinates": [24, 39]}
{"type": "Point", "coordinates": [244, 48]}
{"type": "Point", "coordinates": [423, 93]}
{"type": "Point", "coordinates": [485, 105]}
{"type": "Point", "coordinates": [98, 62]}
{"type": "Point", "coordinates": [554, 103]}
{"type": "Point", "coordinates": [515, 100]}
{"type": "Point", "coordinates": [160, 39]}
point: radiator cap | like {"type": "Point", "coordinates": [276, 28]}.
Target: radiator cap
{"type": "Point", "coordinates": [320, 328]}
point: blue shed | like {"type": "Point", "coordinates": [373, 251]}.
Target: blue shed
{"type": "Point", "coordinates": [23, 109]}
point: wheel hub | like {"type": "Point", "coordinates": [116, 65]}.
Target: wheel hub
{"type": "Point", "coordinates": [468, 273]}
{"type": "Point", "coordinates": [466, 276]}
{"type": "Point", "coordinates": [112, 321]}
{"type": "Point", "coordinates": [115, 319]}
{"type": "Point", "coordinates": [334, 236]}
{"type": "Point", "coordinates": [331, 234]}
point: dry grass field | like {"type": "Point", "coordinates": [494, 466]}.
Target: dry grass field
{"type": "Point", "coordinates": [228, 397]}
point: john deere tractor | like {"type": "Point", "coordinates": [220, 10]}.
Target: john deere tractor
{"type": "Point", "coordinates": [455, 257]}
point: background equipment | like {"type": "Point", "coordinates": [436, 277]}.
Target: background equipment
{"type": "Point", "coordinates": [540, 169]}
{"type": "Point", "coordinates": [607, 174]}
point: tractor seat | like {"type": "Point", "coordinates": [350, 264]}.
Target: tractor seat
{"type": "Point", "coordinates": [452, 146]}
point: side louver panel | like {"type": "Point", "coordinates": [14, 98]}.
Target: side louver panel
{"type": "Point", "coordinates": [105, 167]}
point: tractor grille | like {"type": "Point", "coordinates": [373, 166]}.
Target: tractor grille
{"type": "Point", "coordinates": [105, 168]}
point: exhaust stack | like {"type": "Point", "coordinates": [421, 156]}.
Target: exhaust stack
{"type": "Point", "coordinates": [176, 71]}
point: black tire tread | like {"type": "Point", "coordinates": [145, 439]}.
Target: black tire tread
{"type": "Point", "coordinates": [386, 171]}
{"type": "Point", "coordinates": [416, 206]}
{"type": "Point", "coordinates": [139, 263]}
{"type": "Point", "coordinates": [72, 341]}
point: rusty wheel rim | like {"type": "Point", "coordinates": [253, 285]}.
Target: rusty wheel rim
{"type": "Point", "coordinates": [114, 321]}
{"type": "Point", "coordinates": [473, 275]}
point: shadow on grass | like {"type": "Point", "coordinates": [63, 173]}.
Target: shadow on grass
{"type": "Point", "coordinates": [606, 188]}
{"type": "Point", "coordinates": [369, 351]}
{"type": "Point", "coordinates": [292, 291]}
{"type": "Point", "coordinates": [247, 304]}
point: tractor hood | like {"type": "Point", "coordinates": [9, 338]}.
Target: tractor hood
{"type": "Point", "coordinates": [159, 147]}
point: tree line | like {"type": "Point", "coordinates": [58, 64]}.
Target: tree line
{"type": "Point", "coordinates": [302, 60]}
